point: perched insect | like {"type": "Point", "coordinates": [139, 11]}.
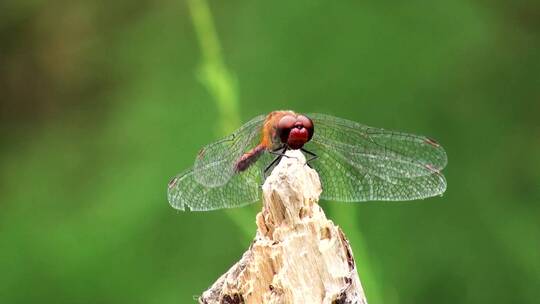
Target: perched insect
{"type": "Point", "coordinates": [355, 162]}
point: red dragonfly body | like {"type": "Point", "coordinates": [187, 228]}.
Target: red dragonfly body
{"type": "Point", "coordinates": [281, 129]}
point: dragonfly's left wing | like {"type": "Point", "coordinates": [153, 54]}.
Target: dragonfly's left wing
{"type": "Point", "coordinates": [215, 163]}
{"type": "Point", "coordinates": [185, 192]}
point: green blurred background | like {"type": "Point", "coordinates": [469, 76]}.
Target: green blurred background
{"type": "Point", "coordinates": [102, 102]}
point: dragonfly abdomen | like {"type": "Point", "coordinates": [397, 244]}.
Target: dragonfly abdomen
{"type": "Point", "coordinates": [249, 158]}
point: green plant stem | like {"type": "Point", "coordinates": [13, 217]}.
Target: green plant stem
{"type": "Point", "coordinates": [222, 86]}
{"type": "Point", "coordinates": [213, 73]}
{"type": "Point", "coordinates": [347, 222]}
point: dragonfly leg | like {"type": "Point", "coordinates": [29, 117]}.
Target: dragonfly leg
{"type": "Point", "coordinates": [280, 153]}
{"type": "Point", "coordinates": [276, 160]}
{"type": "Point", "coordinates": [312, 155]}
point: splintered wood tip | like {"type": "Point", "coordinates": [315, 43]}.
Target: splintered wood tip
{"type": "Point", "coordinates": [298, 255]}
{"type": "Point", "coordinates": [291, 190]}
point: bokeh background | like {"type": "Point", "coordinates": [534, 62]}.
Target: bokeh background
{"type": "Point", "coordinates": [103, 101]}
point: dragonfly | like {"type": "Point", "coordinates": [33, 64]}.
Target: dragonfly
{"type": "Point", "coordinates": [355, 162]}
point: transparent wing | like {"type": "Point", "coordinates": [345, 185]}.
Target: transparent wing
{"type": "Point", "coordinates": [361, 163]}
{"type": "Point", "coordinates": [184, 191]}
{"type": "Point", "coordinates": [214, 165]}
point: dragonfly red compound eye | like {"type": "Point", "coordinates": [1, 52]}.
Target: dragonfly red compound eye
{"type": "Point", "coordinates": [307, 123]}
{"type": "Point", "coordinates": [284, 127]}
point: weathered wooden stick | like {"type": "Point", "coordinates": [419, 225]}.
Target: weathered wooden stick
{"type": "Point", "coordinates": [298, 255]}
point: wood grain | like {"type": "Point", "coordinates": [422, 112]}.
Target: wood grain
{"type": "Point", "coordinates": [298, 255]}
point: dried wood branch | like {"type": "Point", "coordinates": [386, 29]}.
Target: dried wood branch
{"type": "Point", "coordinates": [298, 255]}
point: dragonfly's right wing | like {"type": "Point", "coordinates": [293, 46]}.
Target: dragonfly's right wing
{"type": "Point", "coordinates": [361, 163]}
{"type": "Point", "coordinates": [185, 192]}
{"type": "Point", "coordinates": [214, 165]}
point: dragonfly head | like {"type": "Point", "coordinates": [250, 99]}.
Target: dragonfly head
{"type": "Point", "coordinates": [295, 131]}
